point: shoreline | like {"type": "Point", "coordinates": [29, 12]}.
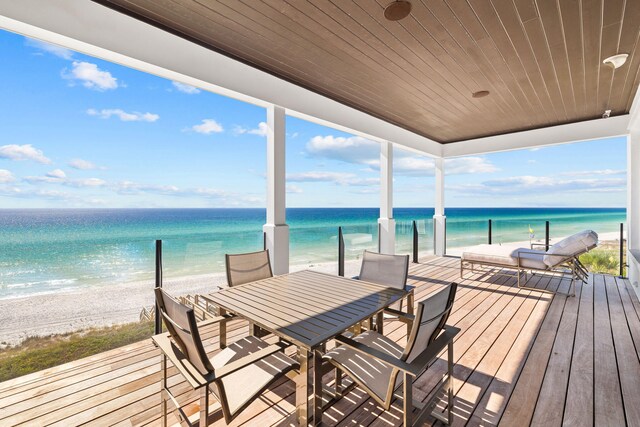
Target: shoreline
{"type": "Point", "coordinates": [108, 305]}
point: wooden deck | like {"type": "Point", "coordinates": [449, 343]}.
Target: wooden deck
{"type": "Point", "coordinates": [523, 358]}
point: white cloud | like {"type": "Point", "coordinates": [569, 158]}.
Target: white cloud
{"type": "Point", "coordinates": [261, 130]}
{"type": "Point", "coordinates": [57, 173]}
{"type": "Point", "coordinates": [81, 164]}
{"type": "Point", "coordinates": [207, 127]}
{"type": "Point", "coordinates": [23, 152]}
{"type": "Point", "coordinates": [123, 115]}
{"type": "Point", "coordinates": [89, 182]}
{"type": "Point", "coordinates": [6, 176]}
{"type": "Point", "coordinates": [58, 51]}
{"type": "Point", "coordinates": [340, 178]}
{"type": "Point", "coordinates": [291, 188]}
{"type": "Point", "coordinates": [58, 176]}
{"type": "Point", "coordinates": [468, 165]}
{"type": "Point", "coordinates": [353, 149]}
{"type": "Point", "coordinates": [527, 186]}
{"type": "Point", "coordinates": [600, 172]}
{"type": "Point", "coordinates": [358, 150]}
{"type": "Point", "coordinates": [184, 88]}
{"type": "Point", "coordinates": [90, 76]}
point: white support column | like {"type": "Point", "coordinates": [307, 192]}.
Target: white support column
{"type": "Point", "coordinates": [386, 223]}
{"type": "Point", "coordinates": [276, 228]}
{"type": "Point", "coordinates": [633, 206]}
{"type": "Point", "coordinates": [439, 219]}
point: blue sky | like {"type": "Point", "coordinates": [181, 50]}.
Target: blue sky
{"type": "Point", "coordinates": [81, 132]}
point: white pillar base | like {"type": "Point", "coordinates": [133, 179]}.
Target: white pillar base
{"type": "Point", "coordinates": [277, 241]}
{"type": "Point", "coordinates": [387, 227]}
{"type": "Point", "coordinates": [439, 236]}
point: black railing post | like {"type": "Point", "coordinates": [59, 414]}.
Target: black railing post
{"type": "Point", "coordinates": [546, 236]}
{"type": "Point", "coordinates": [158, 318]}
{"type": "Point", "coordinates": [415, 243]}
{"type": "Point", "coordinates": [490, 224]}
{"type": "Point", "coordinates": [340, 253]}
{"type": "Point", "coordinates": [622, 264]}
{"type": "Point", "coordinates": [264, 241]}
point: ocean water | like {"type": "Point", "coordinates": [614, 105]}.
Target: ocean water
{"type": "Point", "coordinates": [44, 251]}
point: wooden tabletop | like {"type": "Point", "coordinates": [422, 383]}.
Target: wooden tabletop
{"type": "Point", "coordinates": [306, 307]}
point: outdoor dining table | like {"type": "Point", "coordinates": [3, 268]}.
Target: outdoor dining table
{"type": "Point", "coordinates": [307, 309]}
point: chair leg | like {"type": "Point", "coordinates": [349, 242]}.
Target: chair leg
{"type": "Point", "coordinates": [223, 329]}
{"type": "Point", "coordinates": [338, 382]}
{"type": "Point", "coordinates": [410, 310]}
{"type": "Point", "coordinates": [450, 383]}
{"type": "Point", "coordinates": [163, 392]}
{"type": "Point", "coordinates": [407, 400]}
{"type": "Point", "coordinates": [204, 406]}
{"type": "Point", "coordinates": [380, 323]}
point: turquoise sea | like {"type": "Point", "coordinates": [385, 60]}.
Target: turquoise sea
{"type": "Point", "coordinates": [43, 251]}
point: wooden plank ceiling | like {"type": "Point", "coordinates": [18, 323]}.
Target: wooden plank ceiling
{"type": "Point", "coordinates": [541, 60]}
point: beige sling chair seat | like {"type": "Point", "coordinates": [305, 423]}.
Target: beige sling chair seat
{"type": "Point", "coordinates": [561, 258]}
{"type": "Point", "coordinates": [236, 376]}
{"type": "Point", "coordinates": [391, 271]}
{"type": "Point", "coordinates": [380, 366]}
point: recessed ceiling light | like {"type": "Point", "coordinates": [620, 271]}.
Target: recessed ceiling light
{"type": "Point", "coordinates": [397, 10]}
{"type": "Point", "coordinates": [616, 61]}
{"type": "Point", "coordinates": [480, 94]}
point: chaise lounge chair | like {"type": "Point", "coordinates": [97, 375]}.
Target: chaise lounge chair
{"type": "Point", "coordinates": [563, 258]}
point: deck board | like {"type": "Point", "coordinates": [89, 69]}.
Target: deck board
{"type": "Point", "coordinates": [523, 357]}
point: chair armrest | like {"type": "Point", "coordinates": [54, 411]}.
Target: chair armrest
{"type": "Point", "coordinates": [248, 360]}
{"type": "Point", "coordinates": [420, 363]}
{"type": "Point", "coordinates": [539, 244]}
{"type": "Point", "coordinates": [402, 316]}
{"type": "Point", "coordinates": [215, 320]}
{"type": "Point", "coordinates": [377, 354]}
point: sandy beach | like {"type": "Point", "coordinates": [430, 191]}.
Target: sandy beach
{"type": "Point", "coordinates": [95, 306]}
{"type": "Point", "coordinates": [105, 305]}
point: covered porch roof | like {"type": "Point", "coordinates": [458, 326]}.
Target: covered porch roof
{"type": "Point", "coordinates": [408, 82]}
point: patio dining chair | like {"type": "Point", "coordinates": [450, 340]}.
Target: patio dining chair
{"type": "Point", "coordinates": [241, 269]}
{"type": "Point", "coordinates": [248, 267]}
{"type": "Point", "coordinates": [391, 271]}
{"type": "Point", "coordinates": [236, 376]}
{"type": "Point", "coordinates": [380, 366]}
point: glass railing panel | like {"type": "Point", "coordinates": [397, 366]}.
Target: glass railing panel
{"type": "Point", "coordinates": [196, 263]}
{"type": "Point", "coordinates": [66, 295]}
{"type": "Point", "coordinates": [357, 239]}
{"type": "Point", "coordinates": [463, 233]}
{"type": "Point", "coordinates": [607, 258]}
{"type": "Point", "coordinates": [404, 237]}
{"type": "Point", "coordinates": [518, 232]}
{"type": "Point", "coordinates": [313, 247]}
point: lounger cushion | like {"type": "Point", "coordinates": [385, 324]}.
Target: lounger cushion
{"type": "Point", "coordinates": [571, 246]}
{"type": "Point", "coordinates": [506, 256]}
{"type": "Point", "coordinates": [528, 259]}
{"type": "Point", "coordinates": [366, 370]}
{"type": "Point", "coordinates": [242, 385]}
{"type": "Point", "coordinates": [492, 254]}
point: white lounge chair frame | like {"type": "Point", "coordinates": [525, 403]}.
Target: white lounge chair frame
{"type": "Point", "coordinates": [568, 266]}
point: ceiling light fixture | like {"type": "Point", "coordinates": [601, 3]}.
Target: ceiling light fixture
{"type": "Point", "coordinates": [616, 61]}
{"type": "Point", "coordinates": [397, 10]}
{"type": "Point", "coordinates": [480, 94]}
